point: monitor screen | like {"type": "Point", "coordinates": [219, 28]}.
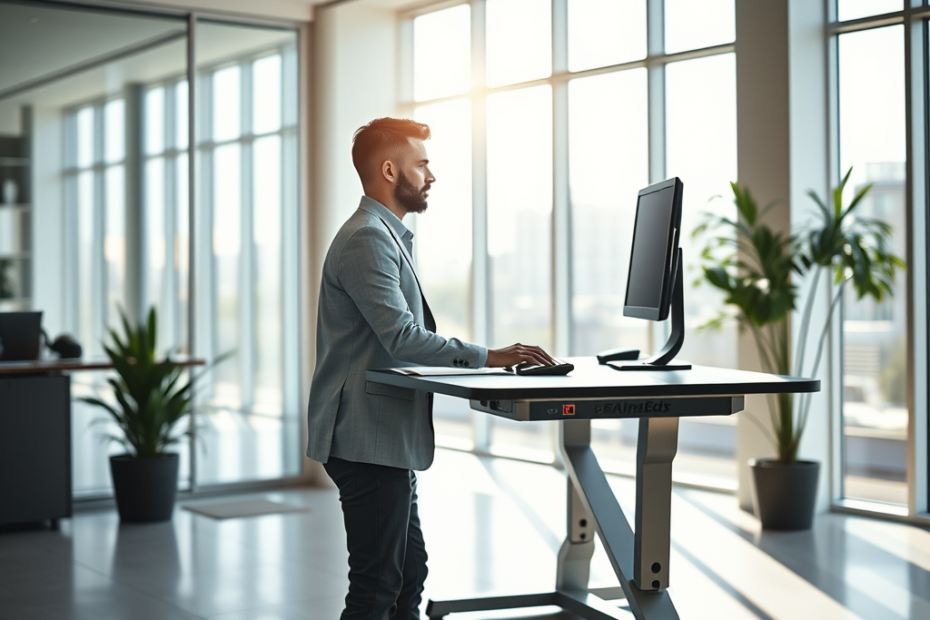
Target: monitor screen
{"type": "Point", "coordinates": [655, 242]}
{"type": "Point", "coordinates": [19, 336]}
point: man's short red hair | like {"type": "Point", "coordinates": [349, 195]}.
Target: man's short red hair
{"type": "Point", "coordinates": [374, 142]}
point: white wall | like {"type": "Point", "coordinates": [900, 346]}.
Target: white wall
{"type": "Point", "coordinates": [763, 154]}
{"type": "Point", "coordinates": [355, 61]}
{"type": "Point", "coordinates": [782, 152]}
{"type": "Point", "coordinates": [808, 157]}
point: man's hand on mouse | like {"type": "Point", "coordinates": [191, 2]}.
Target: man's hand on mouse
{"type": "Point", "coordinates": [517, 354]}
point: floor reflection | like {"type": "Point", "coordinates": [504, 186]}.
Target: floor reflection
{"type": "Point", "coordinates": [492, 526]}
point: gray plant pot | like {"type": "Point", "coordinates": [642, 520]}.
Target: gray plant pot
{"type": "Point", "coordinates": [145, 488]}
{"type": "Point", "coordinates": [784, 496]}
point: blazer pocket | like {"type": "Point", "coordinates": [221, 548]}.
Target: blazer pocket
{"type": "Point", "coordinates": [381, 389]}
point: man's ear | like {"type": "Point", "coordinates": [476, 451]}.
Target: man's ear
{"type": "Point", "coordinates": [389, 171]}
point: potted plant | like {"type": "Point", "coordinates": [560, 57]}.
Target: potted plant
{"type": "Point", "coordinates": [151, 399]}
{"type": "Point", "coordinates": [757, 269]}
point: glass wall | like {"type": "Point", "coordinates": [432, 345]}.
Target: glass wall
{"type": "Point", "coordinates": [872, 141]}
{"type": "Point", "coordinates": [111, 174]}
{"type": "Point", "coordinates": [555, 120]}
{"type": "Point", "coordinates": [247, 261]}
{"type": "Point", "coordinates": [101, 102]}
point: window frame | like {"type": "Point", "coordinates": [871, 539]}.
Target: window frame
{"type": "Point", "coordinates": [914, 18]}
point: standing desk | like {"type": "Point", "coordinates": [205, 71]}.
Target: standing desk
{"type": "Point", "coordinates": [639, 557]}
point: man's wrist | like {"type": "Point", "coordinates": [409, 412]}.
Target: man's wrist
{"type": "Point", "coordinates": [482, 357]}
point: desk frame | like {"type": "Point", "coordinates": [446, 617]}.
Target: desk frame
{"type": "Point", "coordinates": [640, 559]}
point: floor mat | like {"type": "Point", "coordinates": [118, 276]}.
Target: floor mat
{"type": "Point", "coordinates": [243, 508]}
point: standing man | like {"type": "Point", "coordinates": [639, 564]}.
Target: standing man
{"type": "Point", "coordinates": [372, 314]}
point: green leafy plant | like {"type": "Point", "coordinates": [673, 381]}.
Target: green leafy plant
{"type": "Point", "coordinates": [6, 285]}
{"type": "Point", "coordinates": [756, 268]}
{"type": "Point", "coordinates": [150, 397]}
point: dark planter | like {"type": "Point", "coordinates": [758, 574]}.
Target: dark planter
{"type": "Point", "coordinates": [784, 496]}
{"type": "Point", "coordinates": [145, 488]}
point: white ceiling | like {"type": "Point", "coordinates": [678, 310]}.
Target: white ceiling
{"type": "Point", "coordinates": [40, 40]}
{"type": "Point", "coordinates": [64, 39]}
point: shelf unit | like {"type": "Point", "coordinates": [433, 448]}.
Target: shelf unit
{"type": "Point", "coordinates": [16, 218]}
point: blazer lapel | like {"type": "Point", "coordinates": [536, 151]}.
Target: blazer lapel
{"type": "Point", "coordinates": [427, 312]}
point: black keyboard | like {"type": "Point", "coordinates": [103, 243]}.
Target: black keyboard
{"type": "Point", "coordinates": [560, 367]}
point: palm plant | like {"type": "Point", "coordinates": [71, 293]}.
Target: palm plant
{"type": "Point", "coordinates": [151, 398]}
{"type": "Point", "coordinates": [755, 267]}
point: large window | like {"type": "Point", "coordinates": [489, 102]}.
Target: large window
{"type": "Point", "coordinates": [872, 140]}
{"type": "Point", "coordinates": [547, 118]}
{"type": "Point", "coordinates": [95, 188]}
{"type": "Point", "coordinates": [165, 205]}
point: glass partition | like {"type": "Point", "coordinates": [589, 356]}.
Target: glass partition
{"type": "Point", "coordinates": [72, 84]}
{"type": "Point", "coordinates": [247, 258]}
{"type": "Point", "coordinates": [875, 367]}
{"type": "Point", "coordinates": [95, 215]}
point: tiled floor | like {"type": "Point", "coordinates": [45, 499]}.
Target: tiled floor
{"type": "Point", "coordinates": [492, 525]}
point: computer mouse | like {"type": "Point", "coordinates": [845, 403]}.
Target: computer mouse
{"type": "Point", "coordinates": [560, 368]}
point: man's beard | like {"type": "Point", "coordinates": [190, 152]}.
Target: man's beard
{"type": "Point", "coordinates": [409, 197]}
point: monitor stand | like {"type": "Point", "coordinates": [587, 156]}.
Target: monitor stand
{"type": "Point", "coordinates": [660, 361]}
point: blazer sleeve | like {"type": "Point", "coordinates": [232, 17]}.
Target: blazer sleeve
{"type": "Point", "coordinates": [369, 272]}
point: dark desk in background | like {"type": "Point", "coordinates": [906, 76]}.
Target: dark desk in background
{"type": "Point", "coordinates": [35, 437]}
{"type": "Point", "coordinates": [590, 392]}
{"type": "Point", "coordinates": [35, 443]}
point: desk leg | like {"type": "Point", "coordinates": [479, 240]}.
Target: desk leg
{"type": "Point", "coordinates": [592, 507]}
{"type": "Point", "coordinates": [574, 564]}
{"type": "Point", "coordinates": [658, 443]}
{"type": "Point", "coordinates": [614, 530]}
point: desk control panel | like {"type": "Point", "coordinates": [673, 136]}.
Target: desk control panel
{"type": "Point", "coordinates": [596, 409]}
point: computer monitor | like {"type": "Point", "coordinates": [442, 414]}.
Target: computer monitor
{"type": "Point", "coordinates": [19, 336]}
{"type": "Point", "coordinates": [654, 281]}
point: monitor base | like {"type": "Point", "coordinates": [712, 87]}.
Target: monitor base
{"type": "Point", "coordinates": [678, 365]}
{"type": "Point", "coordinates": [612, 355]}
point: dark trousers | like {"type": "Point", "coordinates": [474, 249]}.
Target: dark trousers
{"type": "Point", "coordinates": [387, 556]}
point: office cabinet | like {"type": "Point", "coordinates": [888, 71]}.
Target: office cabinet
{"type": "Point", "coordinates": [35, 447]}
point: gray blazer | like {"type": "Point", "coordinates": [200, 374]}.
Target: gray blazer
{"type": "Point", "coordinates": [372, 314]}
